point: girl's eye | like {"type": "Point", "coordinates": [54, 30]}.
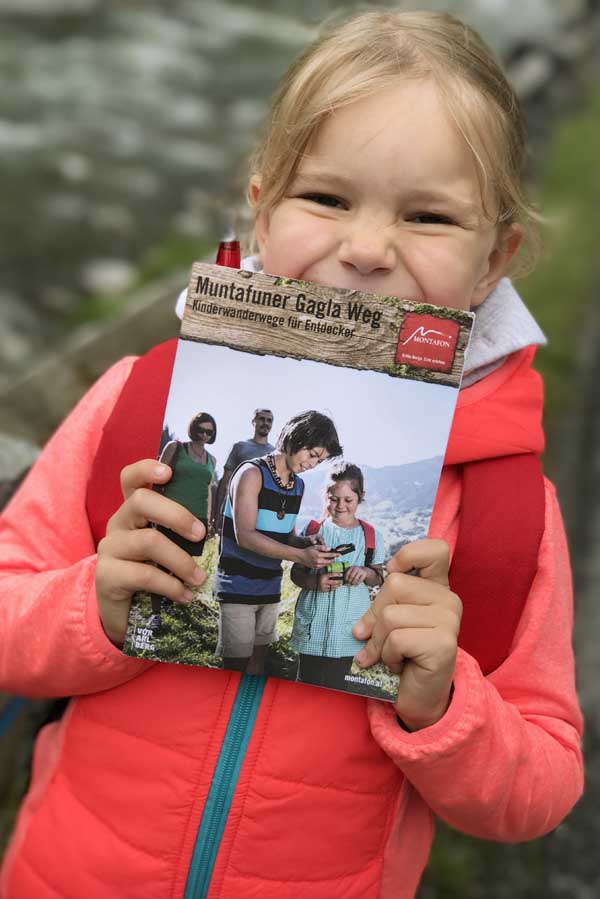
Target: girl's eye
{"type": "Point", "coordinates": [431, 218]}
{"type": "Point", "coordinates": [325, 200]}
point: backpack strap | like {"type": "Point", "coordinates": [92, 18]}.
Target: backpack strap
{"type": "Point", "coordinates": [312, 527]}
{"type": "Point", "coordinates": [132, 432]}
{"type": "Point", "coordinates": [170, 453]}
{"type": "Point", "coordinates": [169, 456]}
{"type": "Point", "coordinates": [495, 560]}
{"type": "Point", "coordinates": [369, 535]}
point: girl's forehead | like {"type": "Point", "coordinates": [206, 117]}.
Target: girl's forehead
{"type": "Point", "coordinates": [411, 109]}
{"type": "Point", "coordinates": [402, 134]}
{"type": "Point", "coordinates": [341, 487]}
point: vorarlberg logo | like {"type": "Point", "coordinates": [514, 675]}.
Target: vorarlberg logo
{"type": "Point", "coordinates": [427, 341]}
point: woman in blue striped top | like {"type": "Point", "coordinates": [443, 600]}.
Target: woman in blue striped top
{"type": "Point", "coordinates": [259, 533]}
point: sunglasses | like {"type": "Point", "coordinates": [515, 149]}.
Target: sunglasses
{"type": "Point", "coordinates": [208, 432]}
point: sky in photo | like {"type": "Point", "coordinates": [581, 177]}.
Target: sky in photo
{"type": "Point", "coordinates": [380, 420]}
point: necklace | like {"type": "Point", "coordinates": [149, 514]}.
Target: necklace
{"type": "Point", "coordinates": [201, 458]}
{"type": "Point", "coordinates": [289, 486]}
{"type": "Point", "coordinates": [271, 464]}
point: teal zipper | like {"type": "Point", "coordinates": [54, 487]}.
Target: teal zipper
{"type": "Point", "coordinates": [224, 782]}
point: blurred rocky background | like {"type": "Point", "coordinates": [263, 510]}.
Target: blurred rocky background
{"type": "Point", "coordinates": [123, 133]}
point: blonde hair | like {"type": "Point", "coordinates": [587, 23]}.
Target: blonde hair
{"type": "Point", "coordinates": [353, 59]}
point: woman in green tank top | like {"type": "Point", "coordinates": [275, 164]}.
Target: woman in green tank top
{"type": "Point", "coordinates": [193, 475]}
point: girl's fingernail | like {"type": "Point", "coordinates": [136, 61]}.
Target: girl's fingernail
{"type": "Point", "coordinates": [198, 529]}
{"type": "Point", "coordinates": [187, 594]}
{"type": "Point", "coordinates": [360, 657]}
{"type": "Point", "coordinates": [159, 471]}
{"type": "Point", "coordinates": [198, 576]}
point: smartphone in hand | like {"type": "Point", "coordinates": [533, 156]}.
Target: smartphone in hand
{"type": "Point", "coordinates": [343, 549]}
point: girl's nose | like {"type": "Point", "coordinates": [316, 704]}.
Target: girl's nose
{"type": "Point", "coordinates": [368, 249]}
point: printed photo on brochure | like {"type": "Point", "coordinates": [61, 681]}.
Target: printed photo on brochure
{"type": "Point", "coordinates": [306, 426]}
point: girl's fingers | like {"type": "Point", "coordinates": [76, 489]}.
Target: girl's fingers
{"type": "Point", "coordinates": [431, 558]}
{"type": "Point", "coordinates": [120, 579]}
{"type": "Point", "coordinates": [405, 602]}
{"type": "Point", "coordinates": [143, 474]}
{"type": "Point", "coordinates": [124, 555]}
{"type": "Point", "coordinates": [421, 645]}
{"type": "Point", "coordinates": [144, 506]}
{"type": "Point", "coordinates": [355, 576]}
{"type": "Point", "coordinates": [406, 588]}
{"type": "Point", "coordinates": [419, 634]}
{"type": "Point", "coordinates": [149, 545]}
{"type": "Point", "coordinates": [363, 628]}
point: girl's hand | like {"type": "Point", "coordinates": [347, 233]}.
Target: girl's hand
{"type": "Point", "coordinates": [412, 625]}
{"type": "Point", "coordinates": [355, 575]}
{"type": "Point", "coordinates": [327, 582]}
{"type": "Point", "coordinates": [121, 569]}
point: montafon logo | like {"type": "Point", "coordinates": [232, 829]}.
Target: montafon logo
{"type": "Point", "coordinates": [427, 342]}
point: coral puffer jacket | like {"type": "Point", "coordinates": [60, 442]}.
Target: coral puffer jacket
{"type": "Point", "coordinates": [334, 800]}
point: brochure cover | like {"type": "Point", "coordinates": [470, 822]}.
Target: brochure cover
{"type": "Point", "coordinates": [341, 404]}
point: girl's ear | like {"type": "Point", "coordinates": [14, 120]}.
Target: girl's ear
{"type": "Point", "coordinates": [254, 190]}
{"type": "Point", "coordinates": [499, 259]}
{"type": "Point", "coordinates": [261, 218]}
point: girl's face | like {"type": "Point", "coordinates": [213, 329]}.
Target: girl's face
{"type": "Point", "coordinates": [306, 458]}
{"type": "Point", "coordinates": [342, 502]}
{"type": "Point", "coordinates": [387, 200]}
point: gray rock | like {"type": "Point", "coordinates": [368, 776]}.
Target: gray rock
{"type": "Point", "coordinates": [108, 275]}
{"type": "Point", "coordinates": [531, 73]}
{"type": "Point", "coordinates": [47, 8]}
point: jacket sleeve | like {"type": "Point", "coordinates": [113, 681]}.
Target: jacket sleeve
{"type": "Point", "coordinates": [51, 639]}
{"type": "Point", "coordinates": [504, 763]}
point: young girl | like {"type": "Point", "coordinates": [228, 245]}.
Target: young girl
{"type": "Point", "coordinates": [391, 164]}
{"type": "Point", "coordinates": [330, 603]}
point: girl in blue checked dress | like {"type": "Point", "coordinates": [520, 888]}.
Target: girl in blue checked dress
{"type": "Point", "coordinates": [331, 601]}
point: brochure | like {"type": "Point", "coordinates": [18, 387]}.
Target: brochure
{"type": "Point", "coordinates": [374, 376]}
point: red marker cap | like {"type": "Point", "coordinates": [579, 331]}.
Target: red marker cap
{"type": "Point", "coordinates": [229, 254]}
